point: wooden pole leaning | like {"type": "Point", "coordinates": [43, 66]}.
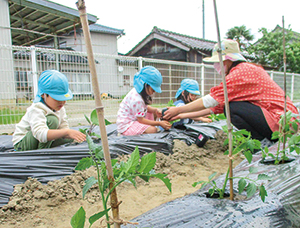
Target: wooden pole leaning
{"type": "Point", "coordinates": [284, 83]}
{"type": "Point", "coordinates": [100, 110]}
{"type": "Point", "coordinates": [228, 118]}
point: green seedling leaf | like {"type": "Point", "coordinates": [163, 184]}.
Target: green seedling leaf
{"type": "Point", "coordinates": [241, 185]}
{"type": "Point", "coordinates": [275, 135]}
{"type": "Point", "coordinates": [87, 119]}
{"type": "Point", "coordinates": [132, 162]}
{"type": "Point", "coordinates": [94, 117]}
{"type": "Point", "coordinates": [197, 183]}
{"type": "Point", "coordinates": [253, 169]}
{"type": "Point", "coordinates": [147, 163]}
{"type": "Point", "coordinates": [97, 216]}
{"type": "Point", "coordinates": [263, 176]}
{"type": "Point", "coordinates": [251, 189]}
{"type": "Point", "coordinates": [88, 184]}
{"type": "Point", "coordinates": [107, 122]}
{"type": "Point", "coordinates": [94, 148]}
{"type": "Point", "coordinates": [163, 178]}
{"type": "Point", "coordinates": [170, 103]}
{"type": "Point", "coordinates": [262, 193]}
{"type": "Point", "coordinates": [248, 155]}
{"type": "Point", "coordinates": [85, 163]}
{"type": "Point", "coordinates": [211, 176]}
{"type": "Point", "coordinates": [78, 220]}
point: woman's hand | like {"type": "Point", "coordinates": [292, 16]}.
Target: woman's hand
{"type": "Point", "coordinates": [165, 125]}
{"type": "Point", "coordinates": [171, 112]}
{"type": "Point", "coordinates": [205, 120]}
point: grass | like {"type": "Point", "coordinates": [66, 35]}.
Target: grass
{"type": "Point", "coordinates": [10, 116]}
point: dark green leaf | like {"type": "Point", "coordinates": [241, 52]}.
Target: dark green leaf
{"type": "Point", "coordinates": [144, 177]}
{"type": "Point", "coordinates": [132, 162]}
{"type": "Point", "coordinates": [88, 184]}
{"type": "Point", "coordinates": [147, 163]}
{"type": "Point", "coordinates": [94, 117]}
{"type": "Point", "coordinates": [251, 189]}
{"type": "Point", "coordinates": [163, 178]}
{"type": "Point", "coordinates": [262, 193]}
{"type": "Point", "coordinates": [241, 185]}
{"type": "Point", "coordinates": [85, 163]}
{"type": "Point", "coordinates": [107, 122]}
{"type": "Point", "coordinates": [97, 216]}
{"type": "Point", "coordinates": [248, 155]}
{"type": "Point", "coordinates": [78, 220]}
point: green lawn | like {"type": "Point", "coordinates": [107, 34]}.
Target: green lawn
{"type": "Point", "coordinates": [10, 116]}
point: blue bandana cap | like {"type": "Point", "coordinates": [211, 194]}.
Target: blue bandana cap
{"type": "Point", "coordinates": [55, 84]}
{"type": "Point", "coordinates": [149, 75]}
{"type": "Point", "coordinates": [189, 85]}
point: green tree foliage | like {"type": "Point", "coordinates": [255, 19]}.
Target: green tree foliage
{"type": "Point", "coordinates": [269, 50]}
{"type": "Point", "coordinates": [242, 35]}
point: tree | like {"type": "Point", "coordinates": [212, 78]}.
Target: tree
{"type": "Point", "coordinates": [241, 34]}
{"type": "Point", "coordinates": [269, 50]}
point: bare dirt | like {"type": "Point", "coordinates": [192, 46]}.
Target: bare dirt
{"type": "Point", "coordinates": [33, 204]}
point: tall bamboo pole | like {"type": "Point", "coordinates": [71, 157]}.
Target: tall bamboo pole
{"type": "Point", "coordinates": [284, 82]}
{"type": "Point", "coordinates": [226, 104]}
{"type": "Point", "coordinates": [99, 108]}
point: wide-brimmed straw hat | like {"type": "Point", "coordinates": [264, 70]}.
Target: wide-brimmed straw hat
{"type": "Point", "coordinates": [230, 51]}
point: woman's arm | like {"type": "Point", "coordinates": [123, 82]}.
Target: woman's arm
{"type": "Point", "coordinates": [194, 106]}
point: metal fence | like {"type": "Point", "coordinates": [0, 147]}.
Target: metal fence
{"type": "Point", "coordinates": [21, 66]}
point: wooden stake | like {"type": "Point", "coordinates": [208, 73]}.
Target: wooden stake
{"type": "Point", "coordinates": [228, 118]}
{"type": "Point", "coordinates": [284, 83]}
{"type": "Point", "coordinates": [99, 108]}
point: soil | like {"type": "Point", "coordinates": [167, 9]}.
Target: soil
{"type": "Point", "coordinates": [33, 204]}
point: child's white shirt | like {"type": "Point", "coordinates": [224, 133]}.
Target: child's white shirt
{"type": "Point", "coordinates": [131, 107]}
{"type": "Point", "coordinates": [35, 120]}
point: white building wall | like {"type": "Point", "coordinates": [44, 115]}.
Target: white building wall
{"type": "Point", "coordinates": [6, 58]}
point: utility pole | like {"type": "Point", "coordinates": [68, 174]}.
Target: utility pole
{"type": "Point", "coordinates": [203, 21]}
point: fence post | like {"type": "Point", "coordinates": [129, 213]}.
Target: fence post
{"type": "Point", "coordinates": [34, 70]}
{"type": "Point", "coordinates": [202, 79]}
{"type": "Point", "coordinates": [140, 63]}
{"type": "Point", "coordinates": [292, 86]}
{"type": "Point", "coordinates": [272, 75]}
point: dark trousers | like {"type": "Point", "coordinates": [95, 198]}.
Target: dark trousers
{"type": "Point", "coordinates": [250, 117]}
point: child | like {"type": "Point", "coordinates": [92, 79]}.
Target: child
{"type": "Point", "coordinates": [135, 116]}
{"type": "Point", "coordinates": [188, 92]}
{"type": "Point", "coordinates": [44, 124]}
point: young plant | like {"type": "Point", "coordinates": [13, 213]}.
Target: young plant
{"type": "Point", "coordinates": [123, 171]}
{"type": "Point", "coordinates": [241, 143]}
{"type": "Point", "coordinates": [93, 121]}
{"type": "Point", "coordinates": [217, 117]}
{"type": "Point", "coordinates": [287, 133]}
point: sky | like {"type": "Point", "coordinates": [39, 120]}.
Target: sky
{"type": "Point", "coordinates": [138, 17]}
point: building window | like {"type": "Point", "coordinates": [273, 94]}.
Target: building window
{"type": "Point", "coordinates": [21, 79]}
{"type": "Point", "coordinates": [126, 80]}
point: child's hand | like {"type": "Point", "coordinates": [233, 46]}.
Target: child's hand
{"type": "Point", "coordinates": [158, 113]}
{"type": "Point", "coordinates": [165, 125]}
{"type": "Point", "coordinates": [76, 135]}
{"type": "Point", "coordinates": [205, 120]}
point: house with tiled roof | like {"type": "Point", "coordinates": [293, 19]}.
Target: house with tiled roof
{"type": "Point", "coordinates": [163, 44]}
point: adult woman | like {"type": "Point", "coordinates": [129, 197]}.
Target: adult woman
{"type": "Point", "coordinates": [256, 102]}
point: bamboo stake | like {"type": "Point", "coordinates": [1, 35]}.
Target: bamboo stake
{"type": "Point", "coordinates": [284, 82]}
{"type": "Point", "coordinates": [99, 108]}
{"type": "Point", "coordinates": [226, 104]}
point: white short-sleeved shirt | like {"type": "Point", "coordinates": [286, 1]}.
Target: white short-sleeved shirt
{"type": "Point", "coordinates": [131, 107]}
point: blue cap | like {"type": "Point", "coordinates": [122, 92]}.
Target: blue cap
{"type": "Point", "coordinates": [149, 75]}
{"type": "Point", "coordinates": [189, 85]}
{"type": "Point", "coordinates": [55, 84]}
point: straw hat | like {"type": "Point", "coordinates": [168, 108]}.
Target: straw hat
{"type": "Point", "coordinates": [230, 51]}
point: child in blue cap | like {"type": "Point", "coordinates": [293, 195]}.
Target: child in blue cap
{"type": "Point", "coordinates": [188, 92]}
{"type": "Point", "coordinates": [44, 124]}
{"type": "Point", "coordinates": [135, 116]}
